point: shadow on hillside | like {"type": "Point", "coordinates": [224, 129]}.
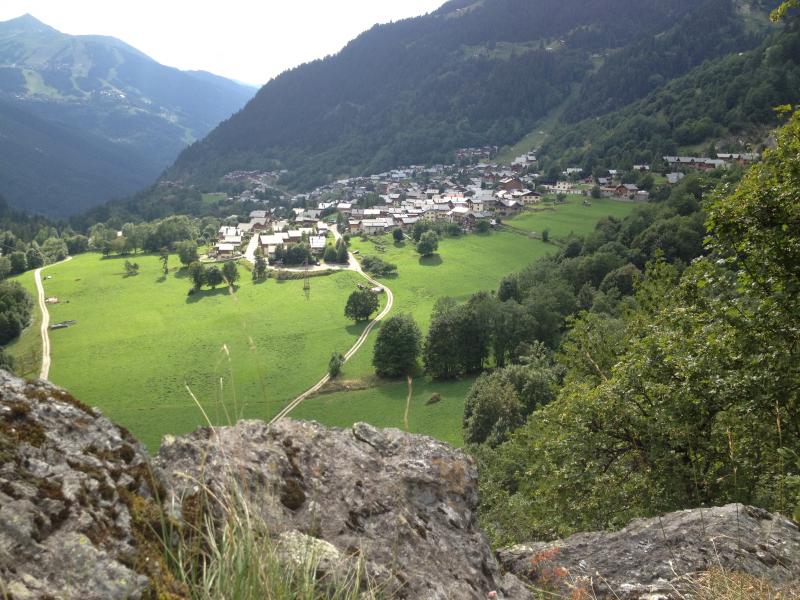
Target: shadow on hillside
{"type": "Point", "coordinates": [182, 273]}
{"type": "Point", "coordinates": [400, 244]}
{"type": "Point", "coordinates": [430, 261]}
{"type": "Point", "coordinates": [200, 295]}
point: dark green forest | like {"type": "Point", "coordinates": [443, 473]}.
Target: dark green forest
{"type": "Point", "coordinates": [730, 100]}
{"type": "Point", "coordinates": [671, 376]}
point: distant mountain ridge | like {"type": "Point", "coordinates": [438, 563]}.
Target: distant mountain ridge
{"type": "Point", "coordinates": [108, 119]}
{"type": "Point", "coordinates": [468, 74]}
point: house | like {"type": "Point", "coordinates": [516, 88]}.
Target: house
{"type": "Point", "coordinates": [354, 225]}
{"type": "Point", "coordinates": [641, 168]}
{"type": "Point", "coordinates": [642, 196]}
{"type": "Point", "coordinates": [317, 244]}
{"type": "Point", "coordinates": [626, 190]}
{"type": "Point", "coordinates": [375, 226]}
{"type": "Point", "coordinates": [225, 232]}
{"type": "Point", "coordinates": [459, 215]}
{"type": "Point", "coordinates": [232, 239]}
{"type": "Point", "coordinates": [673, 178]}
{"type": "Point", "coordinates": [270, 243]}
{"type": "Point", "coordinates": [224, 250]}
{"type": "Point", "coordinates": [344, 207]}
{"type": "Point", "coordinates": [509, 184]}
{"type": "Point", "coordinates": [258, 223]}
{"type": "Point", "coordinates": [508, 207]}
{"type": "Point", "coordinates": [527, 197]}
{"type": "Point", "coordinates": [258, 214]}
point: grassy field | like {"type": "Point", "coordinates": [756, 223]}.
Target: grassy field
{"type": "Point", "coordinates": [139, 341]}
{"type": "Point", "coordinates": [571, 217]}
{"type": "Point", "coordinates": [463, 266]}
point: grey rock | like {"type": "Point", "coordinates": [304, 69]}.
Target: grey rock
{"type": "Point", "coordinates": [405, 503]}
{"type": "Point", "coordinates": [657, 558]}
{"type": "Point", "coordinates": [68, 477]}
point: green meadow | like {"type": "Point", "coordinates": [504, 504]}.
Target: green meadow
{"type": "Point", "coordinates": [462, 267]}
{"type": "Point", "coordinates": [571, 217]}
{"type": "Point", "coordinates": [141, 347]}
{"type": "Point", "coordinates": [159, 361]}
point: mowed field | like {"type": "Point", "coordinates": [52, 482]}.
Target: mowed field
{"type": "Point", "coordinates": [571, 217]}
{"type": "Point", "coordinates": [138, 342]}
{"type": "Point", "coordinates": [462, 267]}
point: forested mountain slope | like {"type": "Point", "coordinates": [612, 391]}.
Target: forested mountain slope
{"type": "Point", "coordinates": [731, 99]}
{"type": "Point", "coordinates": [472, 73]}
{"type": "Point", "coordinates": [88, 118]}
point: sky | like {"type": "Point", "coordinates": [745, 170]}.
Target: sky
{"type": "Point", "coordinates": [251, 41]}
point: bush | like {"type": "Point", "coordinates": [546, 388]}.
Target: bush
{"type": "Point", "coordinates": [335, 364]}
{"type": "Point", "coordinates": [378, 267]}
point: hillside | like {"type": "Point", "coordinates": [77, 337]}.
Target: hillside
{"type": "Point", "coordinates": [88, 118]}
{"type": "Point", "coordinates": [729, 101]}
{"type": "Point", "coordinates": [468, 74]}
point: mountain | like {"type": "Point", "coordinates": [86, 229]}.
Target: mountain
{"type": "Point", "coordinates": [729, 101]}
{"type": "Point", "coordinates": [471, 73]}
{"type": "Point", "coordinates": [88, 118]}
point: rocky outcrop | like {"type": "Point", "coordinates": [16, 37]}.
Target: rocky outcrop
{"type": "Point", "coordinates": [76, 501]}
{"type": "Point", "coordinates": [405, 503]}
{"type": "Point", "coordinates": [83, 510]}
{"type": "Point", "coordinates": [656, 559]}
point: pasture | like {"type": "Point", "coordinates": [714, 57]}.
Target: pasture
{"type": "Point", "coordinates": [571, 217]}
{"type": "Point", "coordinates": [141, 348]}
{"type": "Point", "coordinates": [461, 267]}
{"type": "Point", "coordinates": [140, 342]}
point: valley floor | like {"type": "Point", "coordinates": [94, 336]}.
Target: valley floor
{"type": "Point", "coordinates": [140, 345]}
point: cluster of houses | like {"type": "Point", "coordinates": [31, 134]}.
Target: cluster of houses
{"type": "Point", "coordinates": [458, 194]}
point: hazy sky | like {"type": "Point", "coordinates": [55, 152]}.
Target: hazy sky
{"type": "Point", "coordinates": [248, 40]}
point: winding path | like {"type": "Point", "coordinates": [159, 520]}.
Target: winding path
{"type": "Point", "coordinates": [37, 276]}
{"type": "Point", "coordinates": [354, 266]}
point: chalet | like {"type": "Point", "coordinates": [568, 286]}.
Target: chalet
{"type": "Point", "coordinates": [626, 190]}
{"type": "Point", "coordinates": [258, 214]}
{"type": "Point", "coordinates": [354, 225]}
{"type": "Point", "coordinates": [527, 197]}
{"type": "Point", "coordinates": [224, 250]}
{"type": "Point", "coordinates": [641, 168]}
{"type": "Point", "coordinates": [673, 178]}
{"type": "Point", "coordinates": [232, 239]}
{"type": "Point", "coordinates": [375, 226]}
{"type": "Point", "coordinates": [694, 162]}
{"type": "Point", "coordinates": [459, 215]}
{"type": "Point", "coordinates": [270, 243]}
{"type": "Point", "coordinates": [508, 207]}
{"type": "Point", "coordinates": [322, 228]}
{"type": "Point", "coordinates": [258, 223]}
{"type": "Point", "coordinates": [509, 184]}
{"type": "Point", "coordinates": [642, 196]}
{"type": "Point", "coordinates": [317, 244]}
{"type": "Point", "coordinates": [344, 207]}
{"type": "Point", "coordinates": [740, 159]}
{"type": "Point", "coordinates": [225, 232]}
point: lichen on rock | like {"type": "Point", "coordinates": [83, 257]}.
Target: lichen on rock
{"type": "Point", "coordinates": [73, 487]}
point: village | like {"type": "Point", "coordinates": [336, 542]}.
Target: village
{"type": "Point", "coordinates": [461, 195]}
